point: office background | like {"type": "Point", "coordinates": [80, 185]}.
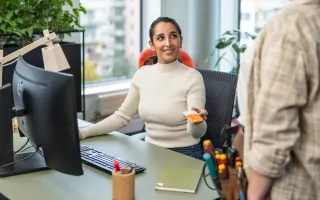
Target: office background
{"type": "Point", "coordinates": [117, 30]}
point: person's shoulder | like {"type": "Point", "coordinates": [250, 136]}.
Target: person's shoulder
{"type": "Point", "coordinates": [186, 68]}
{"type": "Point", "coordinates": [192, 72]}
{"type": "Point", "coordinates": [289, 19]}
{"type": "Point", "coordinates": [144, 69]}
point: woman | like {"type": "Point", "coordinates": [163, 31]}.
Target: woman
{"type": "Point", "coordinates": [161, 93]}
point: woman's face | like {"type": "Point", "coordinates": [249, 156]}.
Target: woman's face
{"type": "Point", "coordinates": [166, 42]}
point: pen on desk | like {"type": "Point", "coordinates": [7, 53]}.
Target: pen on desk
{"type": "Point", "coordinates": [116, 167]}
{"type": "Point", "coordinates": [212, 170]}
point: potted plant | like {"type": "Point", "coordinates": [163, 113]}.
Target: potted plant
{"type": "Point", "coordinates": [230, 40]}
{"type": "Point", "coordinates": [22, 22]}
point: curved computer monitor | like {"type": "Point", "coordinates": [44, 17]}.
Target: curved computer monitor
{"type": "Point", "coordinates": [46, 100]}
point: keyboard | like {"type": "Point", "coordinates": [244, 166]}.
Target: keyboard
{"type": "Point", "coordinates": [103, 161]}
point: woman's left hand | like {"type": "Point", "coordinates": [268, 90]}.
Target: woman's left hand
{"type": "Point", "coordinates": [202, 112]}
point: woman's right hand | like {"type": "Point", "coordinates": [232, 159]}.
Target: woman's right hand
{"type": "Point", "coordinates": [202, 112]}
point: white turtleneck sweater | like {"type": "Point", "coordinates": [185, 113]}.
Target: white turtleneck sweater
{"type": "Point", "coordinates": [160, 93]}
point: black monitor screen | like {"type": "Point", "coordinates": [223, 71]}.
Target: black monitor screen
{"type": "Point", "coordinates": [47, 101]}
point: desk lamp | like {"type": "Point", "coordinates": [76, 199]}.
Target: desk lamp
{"type": "Point", "coordinates": [53, 56]}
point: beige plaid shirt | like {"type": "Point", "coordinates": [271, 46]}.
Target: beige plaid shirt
{"type": "Point", "coordinates": [281, 109]}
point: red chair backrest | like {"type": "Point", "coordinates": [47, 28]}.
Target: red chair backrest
{"type": "Point", "coordinates": [147, 56]}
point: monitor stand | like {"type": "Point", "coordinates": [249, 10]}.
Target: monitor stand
{"type": "Point", "coordinates": [33, 164]}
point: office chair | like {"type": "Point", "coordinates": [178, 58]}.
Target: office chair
{"type": "Point", "coordinates": [220, 95]}
{"type": "Point", "coordinates": [149, 57]}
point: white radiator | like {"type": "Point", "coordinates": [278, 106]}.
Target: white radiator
{"type": "Point", "coordinates": [108, 103]}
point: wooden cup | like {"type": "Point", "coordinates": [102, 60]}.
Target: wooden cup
{"type": "Point", "coordinates": [123, 185]}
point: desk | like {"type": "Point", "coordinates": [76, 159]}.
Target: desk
{"type": "Point", "coordinates": [96, 185]}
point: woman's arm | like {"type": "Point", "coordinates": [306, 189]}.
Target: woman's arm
{"type": "Point", "coordinates": [121, 117]}
{"type": "Point", "coordinates": [196, 98]}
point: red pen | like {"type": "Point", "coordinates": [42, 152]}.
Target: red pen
{"type": "Point", "coordinates": [117, 167]}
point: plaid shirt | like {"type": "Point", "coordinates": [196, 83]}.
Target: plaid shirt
{"type": "Point", "coordinates": [280, 81]}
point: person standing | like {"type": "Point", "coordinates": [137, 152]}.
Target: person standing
{"type": "Point", "coordinates": [279, 103]}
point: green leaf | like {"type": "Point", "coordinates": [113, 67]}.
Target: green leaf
{"type": "Point", "coordinates": [30, 31]}
{"type": "Point", "coordinates": [82, 9]}
{"type": "Point", "coordinates": [228, 33]}
{"type": "Point", "coordinates": [41, 27]}
{"type": "Point", "coordinates": [70, 3]}
{"type": "Point", "coordinates": [223, 44]}
{"type": "Point", "coordinates": [243, 48]}
{"type": "Point", "coordinates": [9, 31]}
{"type": "Point", "coordinates": [19, 20]}
{"type": "Point", "coordinates": [12, 24]}
{"type": "Point", "coordinates": [22, 32]}
{"type": "Point", "coordinates": [79, 26]}
{"type": "Point", "coordinates": [76, 12]}
{"type": "Point", "coordinates": [19, 34]}
{"type": "Point", "coordinates": [16, 11]}
{"type": "Point", "coordinates": [236, 47]}
{"type": "Point", "coordinates": [3, 27]}
{"type": "Point", "coordinates": [231, 39]}
{"type": "Point", "coordinates": [9, 15]}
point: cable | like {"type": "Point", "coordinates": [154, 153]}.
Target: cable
{"type": "Point", "coordinates": [10, 62]}
{"type": "Point", "coordinates": [204, 177]}
{"type": "Point", "coordinates": [26, 149]}
{"type": "Point", "coordinates": [21, 147]}
{"type": "Point", "coordinates": [15, 162]}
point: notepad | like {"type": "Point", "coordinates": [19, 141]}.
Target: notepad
{"type": "Point", "coordinates": [179, 179]}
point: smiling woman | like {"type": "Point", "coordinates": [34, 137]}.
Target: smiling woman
{"type": "Point", "coordinates": [161, 93]}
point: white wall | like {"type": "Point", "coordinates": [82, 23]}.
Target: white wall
{"type": "Point", "coordinates": [204, 26]}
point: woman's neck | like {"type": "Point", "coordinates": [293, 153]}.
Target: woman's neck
{"type": "Point", "coordinates": [168, 66]}
{"type": "Point", "coordinates": [167, 63]}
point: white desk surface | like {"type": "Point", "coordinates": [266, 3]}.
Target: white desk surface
{"type": "Point", "coordinates": [97, 185]}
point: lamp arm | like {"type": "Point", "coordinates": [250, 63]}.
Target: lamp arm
{"type": "Point", "coordinates": [26, 49]}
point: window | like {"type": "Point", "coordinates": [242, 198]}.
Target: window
{"type": "Point", "coordinates": [255, 13]}
{"type": "Point", "coordinates": [245, 16]}
{"type": "Point", "coordinates": [110, 54]}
